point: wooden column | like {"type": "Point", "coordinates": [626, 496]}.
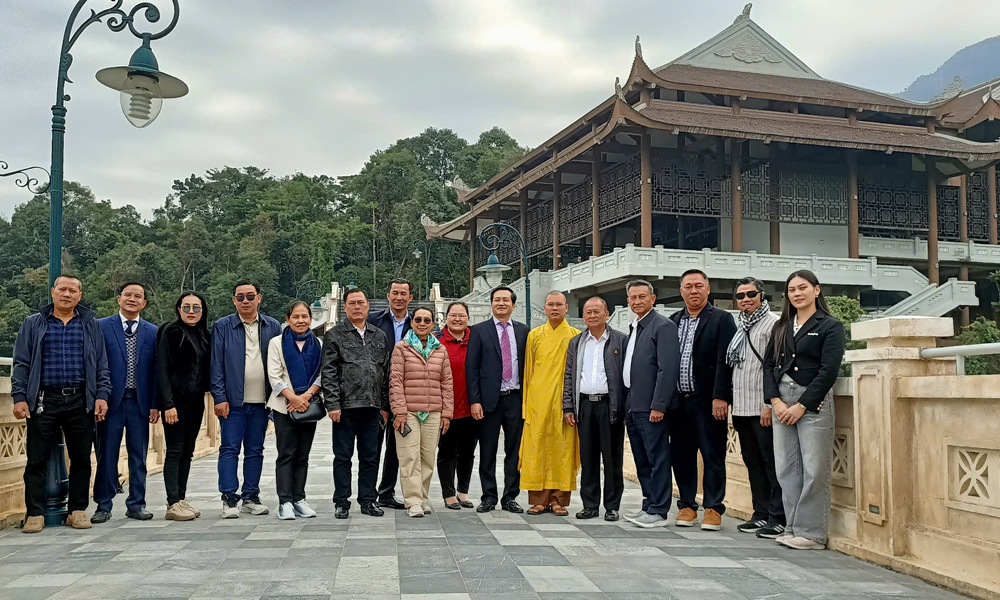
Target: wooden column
{"type": "Point", "coordinates": [933, 272]}
{"type": "Point", "coordinates": [646, 191]}
{"type": "Point", "coordinates": [472, 248]}
{"type": "Point", "coordinates": [523, 197]}
{"type": "Point", "coordinates": [774, 211]}
{"type": "Point", "coordinates": [595, 202]}
{"type": "Point", "coordinates": [556, 192]}
{"type": "Point", "coordinates": [736, 189]}
{"type": "Point", "coordinates": [992, 187]}
{"type": "Point", "coordinates": [853, 212]}
{"type": "Point", "coordinates": [963, 236]}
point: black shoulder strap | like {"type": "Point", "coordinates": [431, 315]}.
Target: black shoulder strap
{"type": "Point", "coordinates": [755, 353]}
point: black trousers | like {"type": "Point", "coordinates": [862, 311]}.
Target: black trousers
{"type": "Point", "coordinates": [651, 450]}
{"type": "Point", "coordinates": [58, 418]}
{"type": "Point", "coordinates": [361, 425]}
{"type": "Point", "coordinates": [757, 447]}
{"type": "Point", "coordinates": [693, 429]}
{"type": "Point", "coordinates": [180, 438]}
{"type": "Point", "coordinates": [600, 440]}
{"type": "Point", "coordinates": [293, 441]}
{"type": "Point", "coordinates": [456, 456]}
{"type": "Point", "coordinates": [390, 463]}
{"type": "Point", "coordinates": [506, 416]}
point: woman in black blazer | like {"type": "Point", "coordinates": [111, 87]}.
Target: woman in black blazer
{"type": "Point", "coordinates": [800, 368]}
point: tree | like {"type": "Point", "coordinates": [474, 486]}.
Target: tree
{"type": "Point", "coordinates": [847, 311]}
{"type": "Point", "coordinates": [981, 331]}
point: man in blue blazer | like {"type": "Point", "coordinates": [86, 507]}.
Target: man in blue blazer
{"type": "Point", "coordinates": [131, 347]}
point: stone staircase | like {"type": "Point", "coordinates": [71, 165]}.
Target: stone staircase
{"type": "Point", "coordinates": [936, 300]}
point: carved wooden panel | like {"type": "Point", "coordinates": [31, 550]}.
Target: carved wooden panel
{"type": "Point", "coordinates": [810, 196]}
{"type": "Point", "coordinates": [756, 198]}
{"type": "Point", "coordinates": [687, 183]}
{"type": "Point", "coordinates": [575, 212]}
{"type": "Point", "coordinates": [948, 218]}
{"type": "Point", "coordinates": [977, 202]}
{"type": "Point", "coordinates": [538, 227]}
{"type": "Point", "coordinates": [619, 194]}
{"type": "Point", "coordinates": [892, 203]}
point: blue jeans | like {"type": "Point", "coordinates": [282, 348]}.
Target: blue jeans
{"type": "Point", "coordinates": [246, 426]}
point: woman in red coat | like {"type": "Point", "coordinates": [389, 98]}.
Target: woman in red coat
{"type": "Point", "coordinates": [457, 450]}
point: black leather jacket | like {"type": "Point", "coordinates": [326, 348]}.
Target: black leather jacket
{"type": "Point", "coordinates": [355, 371]}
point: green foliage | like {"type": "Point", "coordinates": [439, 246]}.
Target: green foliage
{"type": "Point", "coordinates": [981, 331]}
{"type": "Point", "coordinates": [847, 310]}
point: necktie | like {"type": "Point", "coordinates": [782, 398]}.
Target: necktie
{"type": "Point", "coordinates": [508, 363]}
{"type": "Point", "coordinates": [131, 347]}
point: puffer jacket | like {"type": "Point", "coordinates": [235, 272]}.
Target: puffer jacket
{"type": "Point", "coordinates": [417, 385]}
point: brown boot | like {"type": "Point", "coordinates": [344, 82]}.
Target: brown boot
{"type": "Point", "coordinates": [33, 525]}
{"type": "Point", "coordinates": [78, 520]}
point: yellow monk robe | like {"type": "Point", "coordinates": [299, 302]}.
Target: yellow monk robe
{"type": "Point", "coordinates": [550, 449]}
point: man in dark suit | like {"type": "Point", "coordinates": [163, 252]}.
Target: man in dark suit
{"type": "Point", "coordinates": [700, 423]}
{"type": "Point", "coordinates": [594, 403]}
{"type": "Point", "coordinates": [394, 323]}
{"type": "Point", "coordinates": [650, 374]}
{"type": "Point", "coordinates": [494, 370]}
{"type": "Point", "coordinates": [131, 347]}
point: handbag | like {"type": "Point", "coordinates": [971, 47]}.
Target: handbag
{"type": "Point", "coordinates": [315, 412]}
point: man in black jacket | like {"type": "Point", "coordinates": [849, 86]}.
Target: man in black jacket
{"type": "Point", "coordinates": [355, 377]}
{"type": "Point", "coordinates": [650, 374]}
{"type": "Point", "coordinates": [494, 370]}
{"type": "Point", "coordinates": [394, 323]}
{"type": "Point", "coordinates": [700, 423]}
{"type": "Point", "coordinates": [594, 403]}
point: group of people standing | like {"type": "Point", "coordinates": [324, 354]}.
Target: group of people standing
{"type": "Point", "coordinates": [561, 400]}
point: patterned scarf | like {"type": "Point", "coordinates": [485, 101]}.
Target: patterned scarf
{"type": "Point", "coordinates": [736, 353]}
{"type": "Point", "coordinates": [415, 343]}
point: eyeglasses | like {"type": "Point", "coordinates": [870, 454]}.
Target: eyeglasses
{"type": "Point", "coordinates": [247, 297]}
{"type": "Point", "coordinates": [422, 320]}
{"type": "Point", "coordinates": [191, 309]}
{"type": "Point", "coordinates": [751, 294]}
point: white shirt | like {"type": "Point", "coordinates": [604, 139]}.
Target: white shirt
{"type": "Point", "coordinates": [515, 379]}
{"type": "Point", "coordinates": [360, 330]}
{"type": "Point", "coordinates": [795, 331]}
{"type": "Point", "coordinates": [254, 375]}
{"type": "Point", "coordinates": [125, 324]}
{"type": "Point", "coordinates": [627, 368]}
{"type": "Point", "coordinates": [593, 377]}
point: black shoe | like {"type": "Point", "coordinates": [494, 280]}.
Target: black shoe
{"type": "Point", "coordinates": [101, 516]}
{"type": "Point", "coordinates": [512, 507]}
{"type": "Point", "coordinates": [139, 515]}
{"type": "Point", "coordinates": [587, 513]}
{"type": "Point", "coordinates": [342, 512]}
{"type": "Point", "coordinates": [466, 504]}
{"type": "Point", "coordinates": [485, 506]}
{"type": "Point", "coordinates": [372, 510]}
{"type": "Point", "coordinates": [771, 531]}
{"type": "Point", "coordinates": [391, 502]}
{"type": "Point", "coordinates": [453, 505]}
{"type": "Point", "coordinates": [611, 515]}
{"type": "Point", "coordinates": [752, 526]}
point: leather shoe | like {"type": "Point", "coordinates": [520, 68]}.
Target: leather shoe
{"type": "Point", "coordinates": [485, 507]}
{"type": "Point", "coordinates": [372, 510]}
{"type": "Point", "coordinates": [454, 505]}
{"type": "Point", "coordinates": [342, 512]}
{"type": "Point", "coordinates": [611, 515]}
{"type": "Point", "coordinates": [101, 516]}
{"type": "Point", "coordinates": [139, 515]}
{"type": "Point", "coordinates": [466, 504]}
{"type": "Point", "coordinates": [392, 502]}
{"type": "Point", "coordinates": [512, 507]}
{"type": "Point", "coordinates": [587, 513]}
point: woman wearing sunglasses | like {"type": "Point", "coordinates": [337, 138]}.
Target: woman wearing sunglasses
{"type": "Point", "coordinates": [422, 399]}
{"type": "Point", "coordinates": [183, 352]}
{"type": "Point", "coordinates": [800, 368]}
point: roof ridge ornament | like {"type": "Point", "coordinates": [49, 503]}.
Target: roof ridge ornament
{"type": "Point", "coordinates": [749, 49]}
{"type": "Point", "coordinates": [618, 90]}
{"type": "Point", "coordinates": [638, 48]}
{"type": "Point", "coordinates": [745, 15]}
{"type": "Point", "coordinates": [954, 88]}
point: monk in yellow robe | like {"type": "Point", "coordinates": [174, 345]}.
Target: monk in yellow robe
{"type": "Point", "coordinates": [550, 449]}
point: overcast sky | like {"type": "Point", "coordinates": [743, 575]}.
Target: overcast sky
{"type": "Point", "coordinates": [316, 86]}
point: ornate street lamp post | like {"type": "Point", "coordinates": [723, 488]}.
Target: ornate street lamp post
{"type": "Point", "coordinates": [142, 85]}
{"type": "Point", "coordinates": [492, 237]}
{"type": "Point", "coordinates": [23, 178]}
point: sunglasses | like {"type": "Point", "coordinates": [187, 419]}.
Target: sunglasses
{"type": "Point", "coordinates": [248, 297]}
{"type": "Point", "coordinates": [751, 294]}
{"type": "Point", "coordinates": [191, 309]}
{"type": "Point", "coordinates": [422, 320]}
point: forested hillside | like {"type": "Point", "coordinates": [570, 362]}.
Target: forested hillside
{"type": "Point", "coordinates": [280, 231]}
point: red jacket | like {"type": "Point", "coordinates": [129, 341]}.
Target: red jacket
{"type": "Point", "coordinates": [456, 353]}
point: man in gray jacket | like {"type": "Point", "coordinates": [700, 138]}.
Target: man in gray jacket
{"type": "Point", "coordinates": [594, 403]}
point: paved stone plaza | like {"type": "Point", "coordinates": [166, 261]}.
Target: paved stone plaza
{"type": "Point", "coordinates": [446, 555]}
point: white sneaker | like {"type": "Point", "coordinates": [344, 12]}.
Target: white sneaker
{"type": "Point", "coordinates": [254, 507]}
{"type": "Point", "coordinates": [635, 514]}
{"type": "Point", "coordinates": [426, 508]}
{"type": "Point", "coordinates": [415, 511]}
{"type": "Point", "coordinates": [648, 521]}
{"type": "Point", "coordinates": [302, 509]}
{"type": "Point", "coordinates": [286, 512]}
{"type": "Point", "coordinates": [230, 512]}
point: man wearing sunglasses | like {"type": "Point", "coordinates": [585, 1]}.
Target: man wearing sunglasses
{"type": "Point", "coordinates": [701, 424]}
{"type": "Point", "coordinates": [240, 388]}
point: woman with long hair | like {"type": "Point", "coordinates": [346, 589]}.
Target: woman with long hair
{"type": "Point", "coordinates": [800, 368]}
{"type": "Point", "coordinates": [183, 353]}
{"type": "Point", "coordinates": [293, 365]}
{"type": "Point", "coordinates": [457, 450]}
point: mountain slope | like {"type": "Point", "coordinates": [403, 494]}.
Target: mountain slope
{"type": "Point", "coordinates": [974, 64]}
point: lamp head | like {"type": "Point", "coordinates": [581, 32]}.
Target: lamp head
{"type": "Point", "coordinates": [142, 85]}
{"type": "Point", "coordinates": [493, 270]}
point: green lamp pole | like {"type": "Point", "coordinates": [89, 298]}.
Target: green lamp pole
{"type": "Point", "coordinates": [494, 236]}
{"type": "Point", "coordinates": [143, 87]}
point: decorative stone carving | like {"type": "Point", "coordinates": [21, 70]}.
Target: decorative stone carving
{"type": "Point", "coordinates": [618, 89]}
{"type": "Point", "coordinates": [638, 48]}
{"type": "Point", "coordinates": [974, 476]}
{"type": "Point", "coordinates": [954, 89]}
{"type": "Point", "coordinates": [748, 48]}
{"type": "Point", "coordinates": [745, 15]}
{"type": "Point", "coordinates": [733, 451]}
{"type": "Point", "coordinates": [843, 458]}
{"type": "Point", "coordinates": [13, 437]}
